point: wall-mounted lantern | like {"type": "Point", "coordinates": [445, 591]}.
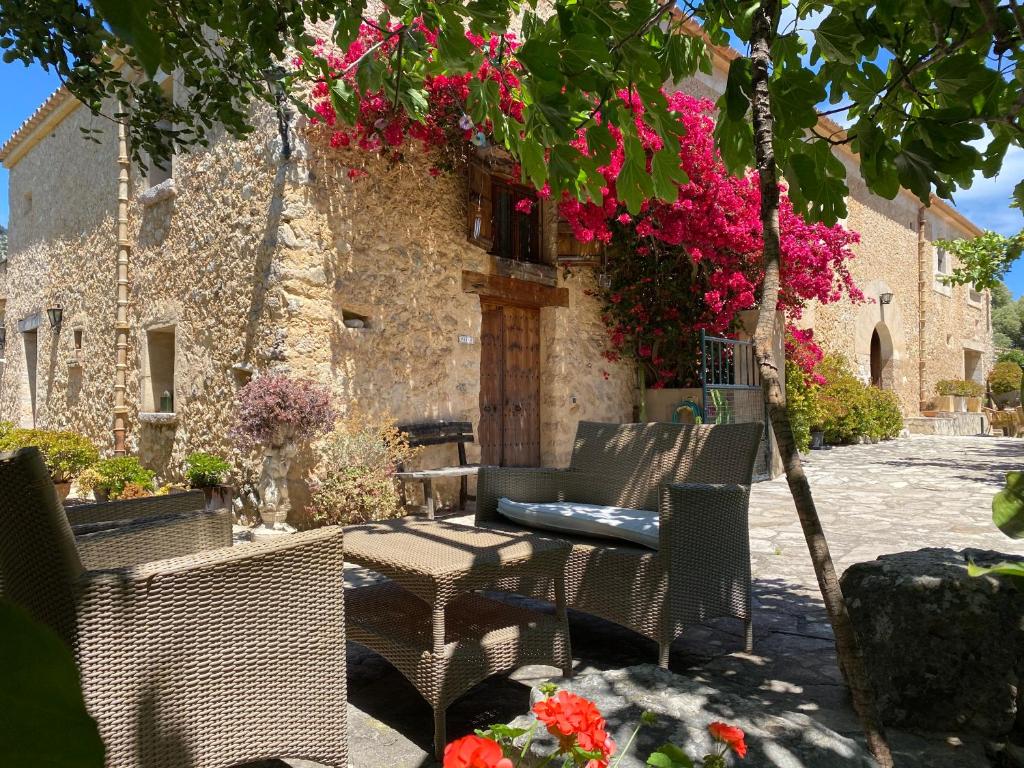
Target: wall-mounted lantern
{"type": "Point", "coordinates": [885, 298]}
{"type": "Point", "coordinates": [56, 315]}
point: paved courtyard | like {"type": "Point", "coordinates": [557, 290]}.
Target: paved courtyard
{"type": "Point", "coordinates": [873, 499]}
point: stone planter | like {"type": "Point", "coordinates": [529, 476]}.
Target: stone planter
{"type": "Point", "coordinates": [974, 405]}
{"type": "Point", "coordinates": [1006, 399]}
{"type": "Point", "coordinates": [945, 404]}
{"type": "Point", "coordinates": [274, 501]}
{"type": "Point", "coordinates": [817, 440]}
{"type": "Point", "coordinates": [945, 650]}
{"type": "Point", "coordinates": [217, 496]}
{"type": "Point", "coordinates": [960, 403]}
{"type": "Point", "coordinates": [664, 404]}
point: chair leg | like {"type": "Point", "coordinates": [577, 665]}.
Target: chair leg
{"type": "Point", "coordinates": [439, 732]}
{"type": "Point", "coordinates": [748, 635]}
{"type": "Point", "coordinates": [463, 492]}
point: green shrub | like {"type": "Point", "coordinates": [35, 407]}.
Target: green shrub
{"type": "Point", "coordinates": [111, 476]}
{"type": "Point", "coordinates": [205, 469]}
{"type": "Point", "coordinates": [1012, 355]}
{"type": "Point", "coordinates": [802, 403]}
{"type": "Point", "coordinates": [886, 419]}
{"type": "Point", "coordinates": [65, 453]}
{"type": "Point", "coordinates": [960, 388]}
{"type": "Point", "coordinates": [844, 402]}
{"type": "Point", "coordinates": [1004, 377]}
{"type": "Point", "coordinates": [354, 476]}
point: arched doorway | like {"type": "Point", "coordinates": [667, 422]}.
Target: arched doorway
{"type": "Point", "coordinates": [881, 357]}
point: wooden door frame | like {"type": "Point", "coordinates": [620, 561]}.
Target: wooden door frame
{"type": "Point", "coordinates": [508, 290]}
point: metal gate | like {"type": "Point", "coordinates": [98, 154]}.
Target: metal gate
{"type": "Point", "coordinates": [731, 383]}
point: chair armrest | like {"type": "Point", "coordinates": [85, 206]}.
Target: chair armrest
{"type": "Point", "coordinates": [705, 548]}
{"type": "Point", "coordinates": [253, 606]}
{"type": "Point", "coordinates": [518, 484]}
{"type": "Point", "coordinates": [133, 509]}
{"type": "Point", "coordinates": [148, 539]}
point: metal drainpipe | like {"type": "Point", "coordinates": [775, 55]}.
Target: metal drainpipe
{"type": "Point", "coordinates": [923, 277]}
{"type": "Point", "coordinates": [121, 322]}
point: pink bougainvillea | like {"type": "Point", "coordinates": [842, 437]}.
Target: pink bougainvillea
{"type": "Point", "coordinates": [275, 409]}
{"type": "Point", "coordinates": [674, 268]}
{"type": "Point", "coordinates": [445, 128]}
{"type": "Point", "coordinates": [693, 264]}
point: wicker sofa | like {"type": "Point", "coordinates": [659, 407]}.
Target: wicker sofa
{"type": "Point", "coordinates": [214, 658]}
{"type": "Point", "coordinates": [697, 477]}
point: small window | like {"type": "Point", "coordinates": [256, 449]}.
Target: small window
{"type": "Point", "coordinates": [973, 295]}
{"type": "Point", "coordinates": [516, 222]}
{"type": "Point", "coordinates": [941, 261]}
{"type": "Point", "coordinates": [27, 206]}
{"type": "Point", "coordinates": [158, 378]}
{"type": "Point", "coordinates": [78, 339]}
{"type": "Point", "coordinates": [158, 174]}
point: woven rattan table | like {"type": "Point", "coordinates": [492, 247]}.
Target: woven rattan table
{"type": "Point", "coordinates": [430, 622]}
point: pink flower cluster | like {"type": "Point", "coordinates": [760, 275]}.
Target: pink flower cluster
{"type": "Point", "coordinates": [693, 264]}
{"type": "Point", "coordinates": [275, 409]}
{"type": "Point", "coordinates": [383, 126]}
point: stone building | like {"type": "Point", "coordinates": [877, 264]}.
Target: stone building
{"type": "Point", "coordinates": [401, 291]}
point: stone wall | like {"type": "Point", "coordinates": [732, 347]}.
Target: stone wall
{"type": "Point", "coordinates": [257, 263]}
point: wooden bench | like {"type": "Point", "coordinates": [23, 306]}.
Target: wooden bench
{"type": "Point", "coordinates": [428, 433]}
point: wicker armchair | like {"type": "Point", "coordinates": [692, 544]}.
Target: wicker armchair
{"type": "Point", "coordinates": [698, 477]}
{"type": "Point", "coordinates": [216, 658]}
{"type": "Point", "coordinates": [135, 509]}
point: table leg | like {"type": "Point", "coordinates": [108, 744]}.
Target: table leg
{"type": "Point", "coordinates": [439, 707]}
{"type": "Point", "coordinates": [428, 497]}
{"type": "Point", "coordinates": [562, 614]}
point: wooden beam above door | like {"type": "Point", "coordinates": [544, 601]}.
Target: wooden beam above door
{"type": "Point", "coordinates": [508, 289]}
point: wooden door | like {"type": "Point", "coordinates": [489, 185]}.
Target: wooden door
{"type": "Point", "coordinates": [509, 431]}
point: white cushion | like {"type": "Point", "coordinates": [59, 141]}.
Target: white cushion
{"type": "Point", "coordinates": [639, 526]}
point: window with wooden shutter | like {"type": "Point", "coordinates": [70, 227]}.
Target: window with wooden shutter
{"type": "Point", "coordinates": [478, 205]}
{"type": "Point", "coordinates": [515, 232]}
{"type": "Point", "coordinates": [571, 252]}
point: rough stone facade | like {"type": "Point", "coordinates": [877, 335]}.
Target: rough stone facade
{"type": "Point", "coordinates": [255, 263]}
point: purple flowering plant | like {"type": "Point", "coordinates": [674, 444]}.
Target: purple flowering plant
{"type": "Point", "coordinates": [275, 409]}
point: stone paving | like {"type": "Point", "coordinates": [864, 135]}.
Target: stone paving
{"type": "Point", "coordinates": [873, 499]}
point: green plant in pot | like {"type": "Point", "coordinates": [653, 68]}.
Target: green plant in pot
{"type": "Point", "coordinates": [208, 471]}
{"type": "Point", "coordinates": [1005, 380]}
{"type": "Point", "coordinates": [66, 454]}
{"type": "Point", "coordinates": [118, 477]}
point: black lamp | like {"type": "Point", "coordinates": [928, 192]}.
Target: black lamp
{"type": "Point", "coordinates": [885, 298]}
{"type": "Point", "coordinates": [56, 315]}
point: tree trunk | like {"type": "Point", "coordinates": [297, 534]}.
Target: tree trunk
{"type": "Point", "coordinates": [848, 648]}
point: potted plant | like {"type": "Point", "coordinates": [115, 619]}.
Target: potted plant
{"type": "Point", "coordinates": [1004, 381]}
{"type": "Point", "coordinates": [120, 477]}
{"type": "Point", "coordinates": [66, 454]}
{"type": "Point", "coordinates": [279, 414]}
{"type": "Point", "coordinates": [207, 471]}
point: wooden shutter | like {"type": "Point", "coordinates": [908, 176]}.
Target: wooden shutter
{"type": "Point", "coordinates": [570, 251]}
{"type": "Point", "coordinates": [479, 224]}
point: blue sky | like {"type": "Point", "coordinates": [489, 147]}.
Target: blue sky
{"type": "Point", "coordinates": [986, 203]}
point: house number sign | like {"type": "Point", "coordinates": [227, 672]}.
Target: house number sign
{"type": "Point", "coordinates": [467, 340]}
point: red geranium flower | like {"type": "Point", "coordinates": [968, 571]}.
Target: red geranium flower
{"type": "Point", "coordinates": [731, 736]}
{"type": "Point", "coordinates": [475, 752]}
{"type": "Point", "coordinates": [575, 720]}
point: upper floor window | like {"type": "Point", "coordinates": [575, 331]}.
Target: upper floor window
{"type": "Point", "coordinates": [516, 222]}
{"type": "Point", "coordinates": [161, 173]}
{"type": "Point", "coordinates": [941, 261]}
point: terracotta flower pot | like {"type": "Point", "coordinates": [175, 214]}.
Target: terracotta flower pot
{"type": "Point", "coordinates": [63, 489]}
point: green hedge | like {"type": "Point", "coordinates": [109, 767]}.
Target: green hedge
{"type": "Point", "coordinates": [959, 388]}
{"type": "Point", "coordinates": [849, 409]}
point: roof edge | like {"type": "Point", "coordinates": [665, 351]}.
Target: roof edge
{"type": "Point", "coordinates": [57, 106]}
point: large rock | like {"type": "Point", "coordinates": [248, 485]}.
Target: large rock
{"type": "Point", "coordinates": [684, 707]}
{"type": "Point", "coordinates": [945, 650]}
